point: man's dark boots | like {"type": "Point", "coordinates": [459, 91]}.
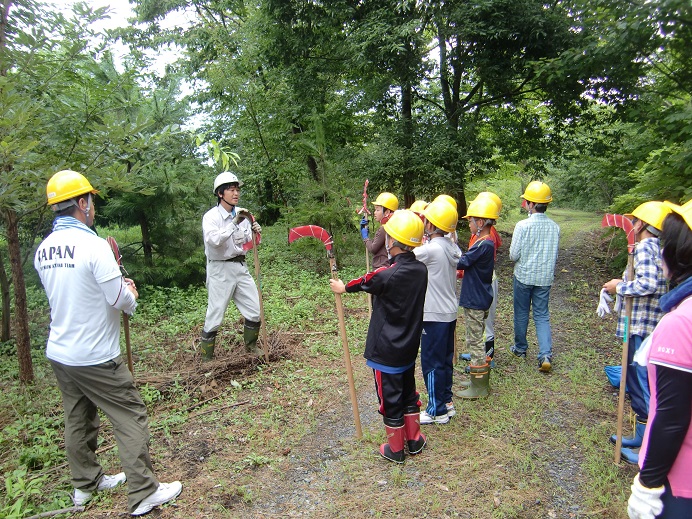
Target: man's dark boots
{"type": "Point", "coordinates": [393, 450]}
{"type": "Point", "coordinates": [250, 335]}
{"type": "Point", "coordinates": [415, 441]}
{"type": "Point", "coordinates": [206, 344]}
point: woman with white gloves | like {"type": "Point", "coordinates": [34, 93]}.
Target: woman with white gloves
{"type": "Point", "coordinates": [663, 487]}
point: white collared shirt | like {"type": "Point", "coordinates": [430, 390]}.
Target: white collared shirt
{"type": "Point", "coordinates": [222, 238]}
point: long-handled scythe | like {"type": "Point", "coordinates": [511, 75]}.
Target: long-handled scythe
{"type": "Point", "coordinates": [263, 324]}
{"type": "Point", "coordinates": [315, 231]}
{"type": "Point", "coordinates": [255, 242]}
{"type": "Point", "coordinates": [126, 318]}
{"type": "Point", "coordinates": [624, 223]}
{"type": "Point", "coordinates": [365, 212]}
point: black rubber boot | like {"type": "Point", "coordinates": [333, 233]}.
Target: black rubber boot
{"type": "Point", "coordinates": [206, 344]}
{"type": "Point", "coordinates": [250, 335]}
{"type": "Point", "coordinates": [415, 441]}
{"type": "Point", "coordinates": [393, 450]}
{"type": "Point", "coordinates": [490, 348]}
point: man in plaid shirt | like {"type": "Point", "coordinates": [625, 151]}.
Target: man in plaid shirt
{"type": "Point", "coordinates": [648, 285]}
{"type": "Point", "coordinates": [534, 252]}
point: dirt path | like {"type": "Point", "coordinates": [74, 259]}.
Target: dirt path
{"type": "Point", "coordinates": [317, 479]}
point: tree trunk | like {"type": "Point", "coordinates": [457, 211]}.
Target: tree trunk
{"type": "Point", "coordinates": [146, 240]}
{"type": "Point", "coordinates": [5, 290]}
{"type": "Point", "coordinates": [407, 143]}
{"type": "Point", "coordinates": [21, 314]}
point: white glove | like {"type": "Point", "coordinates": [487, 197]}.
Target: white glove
{"type": "Point", "coordinates": [256, 228]}
{"type": "Point", "coordinates": [644, 503]}
{"type": "Point", "coordinates": [603, 301]}
{"type": "Point", "coordinates": [241, 214]}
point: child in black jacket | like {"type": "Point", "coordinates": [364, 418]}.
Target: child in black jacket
{"type": "Point", "coordinates": [394, 333]}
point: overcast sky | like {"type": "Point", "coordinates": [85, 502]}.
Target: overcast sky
{"type": "Point", "coordinates": [119, 12]}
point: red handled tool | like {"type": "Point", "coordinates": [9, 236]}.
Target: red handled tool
{"type": "Point", "coordinates": [365, 212]}
{"type": "Point", "coordinates": [321, 234]}
{"type": "Point", "coordinates": [265, 342]}
{"type": "Point", "coordinates": [256, 240]}
{"type": "Point", "coordinates": [624, 223]}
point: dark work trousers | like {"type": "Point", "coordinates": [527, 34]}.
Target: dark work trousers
{"type": "Point", "coordinates": [396, 392]}
{"type": "Point", "coordinates": [109, 387]}
{"type": "Point", "coordinates": [436, 357]}
{"type": "Point", "coordinates": [639, 393]}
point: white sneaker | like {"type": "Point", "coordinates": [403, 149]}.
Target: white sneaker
{"type": "Point", "coordinates": [82, 496]}
{"type": "Point", "coordinates": [450, 409]}
{"type": "Point", "coordinates": [425, 418]}
{"type": "Point", "coordinates": [165, 493]}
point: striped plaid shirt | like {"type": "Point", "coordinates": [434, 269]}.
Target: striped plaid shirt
{"type": "Point", "coordinates": [534, 250]}
{"type": "Point", "coordinates": [648, 286]}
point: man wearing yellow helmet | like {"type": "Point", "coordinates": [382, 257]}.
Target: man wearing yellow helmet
{"type": "Point", "coordinates": [534, 253]}
{"type": "Point", "coordinates": [385, 205]}
{"type": "Point", "coordinates": [646, 289]}
{"type": "Point", "coordinates": [87, 292]}
{"type": "Point", "coordinates": [394, 334]}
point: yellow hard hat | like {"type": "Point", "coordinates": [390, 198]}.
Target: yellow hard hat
{"type": "Point", "coordinates": [448, 199]}
{"type": "Point", "coordinates": [405, 227]}
{"type": "Point", "coordinates": [483, 207]}
{"type": "Point", "coordinates": [538, 193]}
{"type": "Point", "coordinates": [442, 215]}
{"type": "Point", "coordinates": [67, 184]}
{"type": "Point", "coordinates": [684, 210]}
{"type": "Point", "coordinates": [387, 200]}
{"type": "Point", "coordinates": [652, 213]}
{"type": "Point", "coordinates": [418, 206]}
{"type": "Point", "coordinates": [492, 196]}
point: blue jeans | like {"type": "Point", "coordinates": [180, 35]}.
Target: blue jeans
{"type": "Point", "coordinates": [526, 296]}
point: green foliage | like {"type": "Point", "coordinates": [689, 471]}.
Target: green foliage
{"type": "Point", "coordinates": [665, 173]}
{"type": "Point", "coordinates": [20, 492]}
{"type": "Point", "coordinates": [40, 440]}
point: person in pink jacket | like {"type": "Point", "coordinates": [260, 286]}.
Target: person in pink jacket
{"type": "Point", "coordinates": [663, 487]}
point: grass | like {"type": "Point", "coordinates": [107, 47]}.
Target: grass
{"type": "Point", "coordinates": [538, 446]}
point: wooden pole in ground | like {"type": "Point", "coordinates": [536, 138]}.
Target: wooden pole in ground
{"type": "Point", "coordinates": [624, 223]}
{"type": "Point", "coordinates": [263, 324]}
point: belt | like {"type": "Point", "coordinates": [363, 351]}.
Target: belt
{"type": "Point", "coordinates": [236, 259]}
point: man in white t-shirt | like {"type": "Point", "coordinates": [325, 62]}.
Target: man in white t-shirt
{"type": "Point", "coordinates": [86, 292]}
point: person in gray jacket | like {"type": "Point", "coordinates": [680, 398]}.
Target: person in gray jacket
{"type": "Point", "coordinates": [440, 255]}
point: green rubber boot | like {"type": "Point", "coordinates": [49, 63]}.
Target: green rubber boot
{"type": "Point", "coordinates": [480, 383]}
{"type": "Point", "coordinates": [206, 344]}
{"type": "Point", "coordinates": [250, 335]}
